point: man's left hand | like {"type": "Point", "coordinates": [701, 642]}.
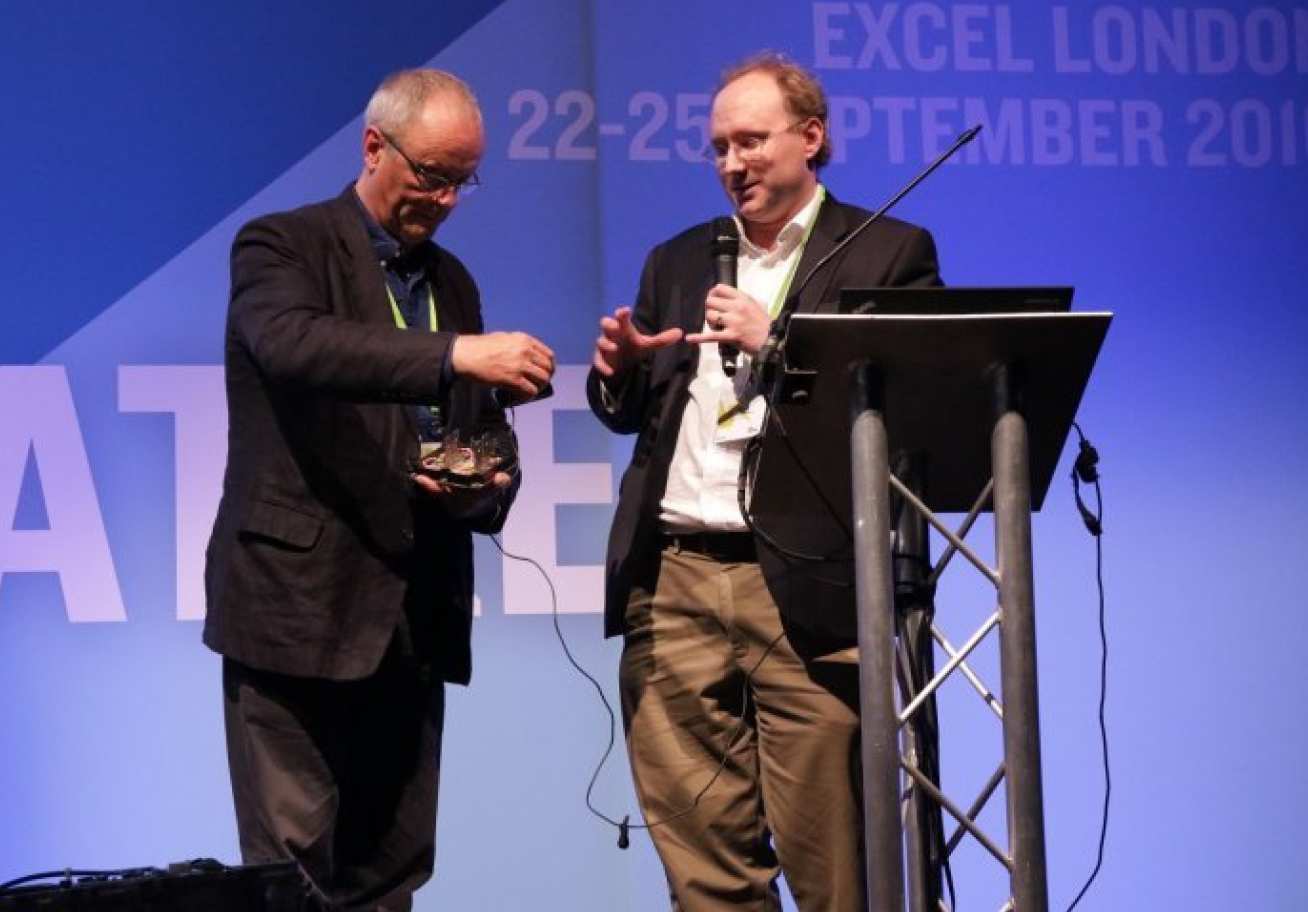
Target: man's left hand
{"type": "Point", "coordinates": [460, 503]}
{"type": "Point", "coordinates": [733, 318]}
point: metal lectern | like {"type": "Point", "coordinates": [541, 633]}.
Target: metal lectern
{"type": "Point", "coordinates": [980, 406]}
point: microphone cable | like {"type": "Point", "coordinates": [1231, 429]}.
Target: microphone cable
{"type": "Point", "coordinates": [747, 479]}
{"type": "Point", "coordinates": [1085, 471]}
{"type": "Point", "coordinates": [624, 826]}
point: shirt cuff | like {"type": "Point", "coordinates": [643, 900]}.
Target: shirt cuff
{"type": "Point", "coordinates": [447, 363]}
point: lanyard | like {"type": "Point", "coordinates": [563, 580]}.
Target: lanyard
{"type": "Point", "coordinates": [399, 317]}
{"type": "Point", "coordinates": [729, 412]}
{"type": "Point", "coordinates": [431, 421]}
{"type": "Point", "coordinates": [775, 307]}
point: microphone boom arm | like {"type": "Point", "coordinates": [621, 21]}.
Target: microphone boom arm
{"type": "Point", "coordinates": [764, 364]}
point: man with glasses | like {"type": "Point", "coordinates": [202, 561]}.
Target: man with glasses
{"type": "Point", "coordinates": [339, 576]}
{"type": "Point", "coordinates": [738, 673]}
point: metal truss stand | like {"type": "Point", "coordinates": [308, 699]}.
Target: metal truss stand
{"type": "Point", "coordinates": [1016, 619]}
{"type": "Point", "coordinates": [983, 403]}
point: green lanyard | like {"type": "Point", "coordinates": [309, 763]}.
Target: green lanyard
{"type": "Point", "coordinates": [433, 410]}
{"type": "Point", "coordinates": [399, 317]}
{"type": "Point", "coordinates": [775, 307]}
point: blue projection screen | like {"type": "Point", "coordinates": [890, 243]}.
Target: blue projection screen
{"type": "Point", "coordinates": [1153, 155]}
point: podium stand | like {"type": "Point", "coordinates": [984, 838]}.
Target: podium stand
{"type": "Point", "coordinates": [981, 406]}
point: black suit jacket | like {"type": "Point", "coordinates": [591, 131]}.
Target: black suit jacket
{"type": "Point", "coordinates": [321, 539]}
{"type": "Point", "coordinates": [651, 401]}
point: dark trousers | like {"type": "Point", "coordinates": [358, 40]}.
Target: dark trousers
{"type": "Point", "coordinates": [786, 796]}
{"type": "Point", "coordinates": [340, 777]}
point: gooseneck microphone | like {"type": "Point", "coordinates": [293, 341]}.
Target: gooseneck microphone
{"type": "Point", "coordinates": [765, 361]}
{"type": "Point", "coordinates": [725, 247]}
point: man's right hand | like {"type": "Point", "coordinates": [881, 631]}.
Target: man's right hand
{"type": "Point", "coordinates": [510, 360]}
{"type": "Point", "coordinates": [620, 344]}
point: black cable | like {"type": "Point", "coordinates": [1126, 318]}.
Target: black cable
{"type": "Point", "coordinates": [913, 652]}
{"type": "Point", "coordinates": [1079, 472]}
{"type": "Point", "coordinates": [624, 825]}
{"type": "Point", "coordinates": [558, 631]}
{"type": "Point", "coordinates": [746, 481]}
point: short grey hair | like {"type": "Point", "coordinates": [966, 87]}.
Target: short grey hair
{"type": "Point", "coordinates": [401, 96]}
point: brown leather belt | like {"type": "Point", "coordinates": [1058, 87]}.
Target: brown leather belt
{"type": "Point", "coordinates": [728, 547]}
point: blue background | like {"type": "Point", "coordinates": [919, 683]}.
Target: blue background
{"type": "Point", "coordinates": [144, 134]}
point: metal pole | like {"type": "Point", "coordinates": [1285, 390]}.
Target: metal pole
{"type": "Point", "coordinates": [870, 483]}
{"type": "Point", "coordinates": [1012, 504]}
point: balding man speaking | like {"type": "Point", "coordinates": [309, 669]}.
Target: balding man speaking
{"type": "Point", "coordinates": [339, 576]}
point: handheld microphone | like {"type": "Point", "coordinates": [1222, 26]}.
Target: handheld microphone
{"type": "Point", "coordinates": [725, 247]}
{"type": "Point", "coordinates": [764, 362]}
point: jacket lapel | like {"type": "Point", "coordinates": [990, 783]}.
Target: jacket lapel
{"type": "Point", "coordinates": [696, 289]}
{"type": "Point", "coordinates": [359, 264]}
{"type": "Point", "coordinates": [831, 227]}
{"type": "Point", "coordinates": [363, 277]}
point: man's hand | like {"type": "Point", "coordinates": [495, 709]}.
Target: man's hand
{"type": "Point", "coordinates": [734, 318]}
{"type": "Point", "coordinates": [620, 344]}
{"type": "Point", "coordinates": [511, 360]}
{"type": "Point", "coordinates": [459, 503]}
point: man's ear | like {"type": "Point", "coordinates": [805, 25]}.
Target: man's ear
{"type": "Point", "coordinates": [372, 147]}
{"type": "Point", "coordinates": [814, 134]}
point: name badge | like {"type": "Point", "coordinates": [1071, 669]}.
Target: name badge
{"type": "Point", "coordinates": [739, 418]}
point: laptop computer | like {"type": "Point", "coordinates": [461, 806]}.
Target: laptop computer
{"type": "Point", "coordinates": [956, 300]}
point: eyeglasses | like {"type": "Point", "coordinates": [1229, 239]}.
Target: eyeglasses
{"type": "Point", "coordinates": [432, 181]}
{"type": "Point", "coordinates": [750, 149]}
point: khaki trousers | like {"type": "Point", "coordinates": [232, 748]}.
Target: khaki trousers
{"type": "Point", "coordinates": [787, 797]}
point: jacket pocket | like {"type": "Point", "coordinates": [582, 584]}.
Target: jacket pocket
{"type": "Point", "coordinates": [282, 524]}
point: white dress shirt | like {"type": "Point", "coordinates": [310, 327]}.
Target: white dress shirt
{"type": "Point", "coordinates": [701, 489]}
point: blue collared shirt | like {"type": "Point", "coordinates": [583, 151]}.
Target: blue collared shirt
{"type": "Point", "coordinates": [407, 276]}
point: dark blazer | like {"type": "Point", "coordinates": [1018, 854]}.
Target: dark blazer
{"type": "Point", "coordinates": [651, 401]}
{"type": "Point", "coordinates": [322, 539]}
